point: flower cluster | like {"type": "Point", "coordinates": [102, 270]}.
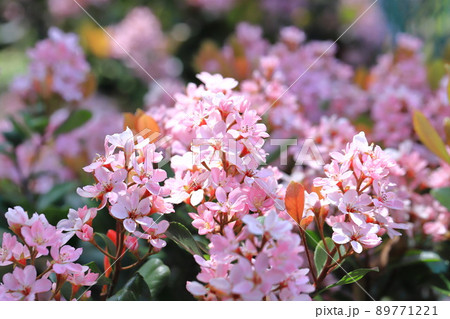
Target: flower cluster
{"type": "Point", "coordinates": [357, 184]}
{"type": "Point", "coordinates": [413, 178]}
{"type": "Point", "coordinates": [319, 84]}
{"type": "Point", "coordinates": [128, 184]}
{"type": "Point", "coordinates": [219, 139]}
{"type": "Point", "coordinates": [141, 44]}
{"type": "Point", "coordinates": [263, 262]}
{"type": "Point", "coordinates": [35, 238]}
{"type": "Point", "coordinates": [399, 86]}
{"type": "Point", "coordinates": [58, 66]}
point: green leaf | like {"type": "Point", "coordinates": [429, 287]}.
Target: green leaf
{"type": "Point", "coordinates": [351, 277]}
{"type": "Point", "coordinates": [55, 194]}
{"type": "Point", "coordinates": [321, 255]}
{"type": "Point", "coordinates": [110, 246]}
{"type": "Point", "coordinates": [431, 259]}
{"type": "Point", "coordinates": [444, 291]}
{"type": "Point", "coordinates": [441, 291]}
{"type": "Point", "coordinates": [19, 128]}
{"type": "Point", "coordinates": [442, 195]}
{"type": "Point", "coordinates": [416, 255]}
{"type": "Point", "coordinates": [36, 123]}
{"type": "Point", "coordinates": [14, 137]}
{"type": "Point", "coordinates": [155, 274]}
{"type": "Point", "coordinates": [312, 238]}
{"type": "Point", "coordinates": [136, 289]}
{"type": "Point", "coordinates": [183, 238]}
{"type": "Point", "coordinates": [429, 137]}
{"type": "Point", "coordinates": [102, 280]}
{"type": "Point", "coordinates": [75, 120]}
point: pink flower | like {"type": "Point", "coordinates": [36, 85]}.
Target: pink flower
{"type": "Point", "coordinates": [132, 210]}
{"type": "Point", "coordinates": [41, 235]}
{"type": "Point", "coordinates": [9, 242]}
{"type": "Point", "coordinates": [203, 220]}
{"type": "Point", "coordinates": [58, 63]}
{"type": "Point", "coordinates": [78, 223]}
{"type": "Point", "coordinates": [196, 288]}
{"type": "Point", "coordinates": [145, 173]}
{"type": "Point", "coordinates": [16, 218]}
{"type": "Point", "coordinates": [154, 233]}
{"type": "Point", "coordinates": [336, 175]}
{"type": "Point", "coordinates": [22, 285]}
{"type": "Point", "coordinates": [82, 278]}
{"type": "Point", "coordinates": [272, 224]}
{"type": "Point", "coordinates": [353, 204]}
{"type": "Point", "coordinates": [109, 187]}
{"type": "Point", "coordinates": [64, 258]}
{"type": "Point", "coordinates": [385, 198]}
{"type": "Point", "coordinates": [217, 83]}
{"type": "Point", "coordinates": [230, 204]}
{"type": "Point", "coordinates": [86, 233]}
{"type": "Point", "coordinates": [387, 224]}
{"type": "Point", "coordinates": [131, 243]}
{"type": "Point", "coordinates": [187, 187]}
{"type": "Point", "coordinates": [258, 200]}
{"type": "Point", "coordinates": [140, 32]}
{"type": "Point", "coordinates": [359, 237]}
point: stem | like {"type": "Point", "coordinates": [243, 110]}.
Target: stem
{"type": "Point", "coordinates": [120, 237]}
{"type": "Point", "coordinates": [322, 236]}
{"type": "Point", "coordinates": [308, 256]}
{"type": "Point", "coordinates": [104, 252]}
{"type": "Point", "coordinates": [140, 260]}
{"type": "Point", "coordinates": [46, 271]}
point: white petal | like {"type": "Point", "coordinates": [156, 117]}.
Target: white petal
{"type": "Point", "coordinates": [357, 247]}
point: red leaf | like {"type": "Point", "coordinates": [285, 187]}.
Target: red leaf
{"type": "Point", "coordinates": [295, 201]}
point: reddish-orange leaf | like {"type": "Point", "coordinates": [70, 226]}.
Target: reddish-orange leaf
{"type": "Point", "coordinates": [306, 221]}
{"type": "Point", "coordinates": [142, 124]}
{"type": "Point", "coordinates": [295, 200]}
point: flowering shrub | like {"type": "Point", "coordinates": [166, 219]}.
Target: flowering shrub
{"type": "Point", "coordinates": [30, 243]}
{"type": "Point", "coordinates": [264, 165]}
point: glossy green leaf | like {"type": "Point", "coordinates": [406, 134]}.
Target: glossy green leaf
{"type": "Point", "coordinates": [136, 289]}
{"type": "Point", "coordinates": [312, 238]}
{"type": "Point", "coordinates": [183, 238]}
{"type": "Point", "coordinates": [321, 255]}
{"type": "Point", "coordinates": [156, 274]}
{"type": "Point", "coordinates": [429, 137]}
{"type": "Point", "coordinates": [351, 277]}
{"type": "Point", "coordinates": [431, 259]}
{"type": "Point", "coordinates": [110, 246]}
{"type": "Point", "coordinates": [442, 195]}
{"type": "Point", "coordinates": [74, 121]}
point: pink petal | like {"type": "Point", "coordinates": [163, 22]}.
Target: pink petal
{"type": "Point", "coordinates": [357, 247]}
{"type": "Point", "coordinates": [130, 225]}
{"type": "Point", "coordinates": [196, 288]}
